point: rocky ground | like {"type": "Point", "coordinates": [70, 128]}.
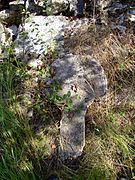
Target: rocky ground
{"type": "Point", "coordinates": [69, 57]}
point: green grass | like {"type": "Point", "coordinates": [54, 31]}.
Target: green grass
{"type": "Point", "coordinates": [110, 122]}
{"type": "Point", "coordinates": [21, 150]}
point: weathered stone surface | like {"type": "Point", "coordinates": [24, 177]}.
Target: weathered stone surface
{"type": "Point", "coordinates": [77, 7]}
{"type": "Point", "coordinates": [39, 36]}
{"type": "Point", "coordinates": [22, 2]}
{"type": "Point", "coordinates": [13, 31]}
{"type": "Point", "coordinates": [84, 79]}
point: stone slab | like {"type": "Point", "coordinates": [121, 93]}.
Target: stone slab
{"type": "Point", "coordinates": [84, 78]}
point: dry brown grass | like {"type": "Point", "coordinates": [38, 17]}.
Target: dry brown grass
{"type": "Point", "coordinates": [109, 121]}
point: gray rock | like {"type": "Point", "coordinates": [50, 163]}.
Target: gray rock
{"type": "Point", "coordinates": [120, 28]}
{"type": "Point", "coordinates": [117, 9]}
{"type": "Point", "coordinates": [30, 113]}
{"type": "Point", "coordinates": [83, 79]}
{"type": "Point", "coordinates": [22, 2]}
{"type": "Point", "coordinates": [13, 30]}
{"type": "Point", "coordinates": [35, 63]}
{"type": "Point", "coordinates": [39, 36]}
{"type": "Point", "coordinates": [77, 7]}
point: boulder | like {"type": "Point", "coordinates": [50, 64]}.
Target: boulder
{"type": "Point", "coordinates": [40, 35]}
{"type": "Point", "coordinates": [82, 79]}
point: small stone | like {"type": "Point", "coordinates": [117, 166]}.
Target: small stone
{"type": "Point", "coordinates": [30, 113]}
{"type": "Point", "coordinates": [131, 14]}
{"type": "Point", "coordinates": [13, 31]}
{"type": "Point", "coordinates": [35, 63]}
{"type": "Point", "coordinates": [77, 7]}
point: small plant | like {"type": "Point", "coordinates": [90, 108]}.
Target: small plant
{"type": "Point", "coordinates": [64, 101]}
{"type": "Point", "coordinates": [47, 7]}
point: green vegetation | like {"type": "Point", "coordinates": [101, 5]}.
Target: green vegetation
{"type": "Point", "coordinates": [21, 149]}
{"type": "Point", "coordinates": [26, 151]}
